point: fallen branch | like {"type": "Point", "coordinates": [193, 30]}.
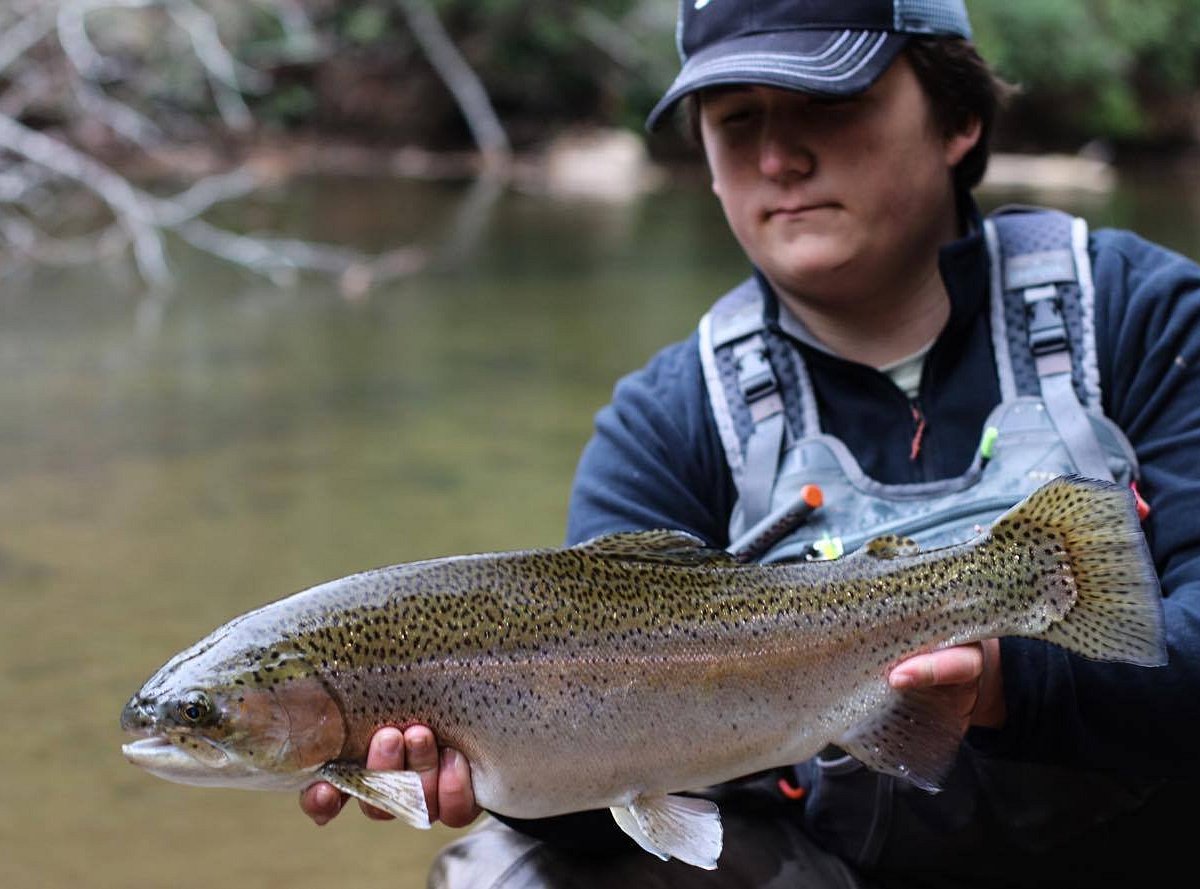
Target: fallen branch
{"type": "Point", "coordinates": [144, 217]}
{"type": "Point", "coordinates": [127, 204]}
{"type": "Point", "coordinates": [50, 60]}
{"type": "Point", "coordinates": [462, 82]}
{"type": "Point", "coordinates": [15, 41]}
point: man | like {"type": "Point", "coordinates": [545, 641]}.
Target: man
{"type": "Point", "coordinates": [843, 139]}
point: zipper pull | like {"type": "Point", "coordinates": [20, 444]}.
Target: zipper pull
{"type": "Point", "coordinates": [914, 450]}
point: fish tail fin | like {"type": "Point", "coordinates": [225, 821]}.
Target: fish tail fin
{"type": "Point", "coordinates": [1101, 596]}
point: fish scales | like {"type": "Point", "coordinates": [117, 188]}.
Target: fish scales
{"type": "Point", "coordinates": [639, 665]}
{"type": "Point", "coordinates": [369, 637]}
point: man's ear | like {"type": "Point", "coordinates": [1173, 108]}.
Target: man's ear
{"type": "Point", "coordinates": [960, 143]}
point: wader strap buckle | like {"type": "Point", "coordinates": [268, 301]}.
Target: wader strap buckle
{"type": "Point", "coordinates": [1050, 344]}
{"type": "Point", "coordinates": [1048, 338]}
{"type": "Point", "coordinates": [760, 389]}
{"type": "Point", "coordinates": [756, 379]}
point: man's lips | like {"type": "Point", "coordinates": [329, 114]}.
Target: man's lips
{"type": "Point", "coordinates": [798, 209]}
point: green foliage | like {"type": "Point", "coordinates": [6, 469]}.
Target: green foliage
{"type": "Point", "coordinates": [537, 60]}
{"type": "Point", "coordinates": [1087, 68]}
{"type": "Point", "coordinates": [365, 24]}
{"type": "Point", "coordinates": [292, 103]}
{"type": "Point", "coordinates": [1105, 67]}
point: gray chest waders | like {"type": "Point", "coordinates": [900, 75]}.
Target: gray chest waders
{"type": "Point", "coordinates": [1048, 423]}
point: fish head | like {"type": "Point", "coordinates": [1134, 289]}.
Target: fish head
{"type": "Point", "coordinates": [222, 715]}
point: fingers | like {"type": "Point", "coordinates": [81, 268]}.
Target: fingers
{"type": "Point", "coordinates": [456, 798]}
{"type": "Point", "coordinates": [321, 802]}
{"type": "Point", "coordinates": [959, 665]}
{"type": "Point", "coordinates": [971, 673]}
{"type": "Point", "coordinates": [991, 709]}
{"type": "Point", "coordinates": [422, 755]}
{"type": "Point", "coordinates": [445, 777]}
{"type": "Point", "coordinates": [385, 753]}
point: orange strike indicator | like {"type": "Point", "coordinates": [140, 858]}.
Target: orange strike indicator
{"type": "Point", "coordinates": [1143, 508]}
{"type": "Point", "coordinates": [791, 791]}
{"type": "Point", "coordinates": [812, 496]}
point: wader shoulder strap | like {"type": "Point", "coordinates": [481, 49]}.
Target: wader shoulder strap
{"type": "Point", "coordinates": [744, 393]}
{"type": "Point", "coordinates": [1043, 322]}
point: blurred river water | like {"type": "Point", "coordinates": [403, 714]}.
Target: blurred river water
{"type": "Point", "coordinates": [169, 461]}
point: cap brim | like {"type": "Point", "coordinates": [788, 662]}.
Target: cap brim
{"type": "Point", "coordinates": [832, 63]}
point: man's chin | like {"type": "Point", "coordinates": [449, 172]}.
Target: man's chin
{"type": "Point", "coordinates": [811, 270]}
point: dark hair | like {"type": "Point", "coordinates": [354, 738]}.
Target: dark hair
{"type": "Point", "coordinates": [959, 85]}
{"type": "Point", "coordinates": [689, 119]}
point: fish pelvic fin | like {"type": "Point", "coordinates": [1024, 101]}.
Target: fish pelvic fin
{"type": "Point", "coordinates": [1106, 569]}
{"type": "Point", "coordinates": [674, 826]}
{"type": "Point", "coordinates": [397, 793]}
{"type": "Point", "coordinates": [916, 737]}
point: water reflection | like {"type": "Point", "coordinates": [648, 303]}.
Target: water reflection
{"type": "Point", "coordinates": [169, 461]}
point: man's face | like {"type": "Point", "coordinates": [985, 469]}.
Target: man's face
{"type": "Point", "coordinates": [834, 200]}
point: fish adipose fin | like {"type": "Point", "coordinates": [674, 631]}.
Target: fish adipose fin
{"type": "Point", "coordinates": [1105, 604]}
{"type": "Point", "coordinates": [891, 546]}
{"type": "Point", "coordinates": [665, 547]}
{"type": "Point", "coordinates": [397, 793]}
{"type": "Point", "coordinates": [916, 738]}
{"type": "Point", "coordinates": [674, 826]}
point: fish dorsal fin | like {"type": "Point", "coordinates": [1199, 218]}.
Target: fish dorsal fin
{"type": "Point", "coordinates": [667, 547]}
{"type": "Point", "coordinates": [916, 737]}
{"type": "Point", "coordinates": [891, 546]}
{"type": "Point", "coordinates": [674, 826]}
{"type": "Point", "coordinates": [398, 793]}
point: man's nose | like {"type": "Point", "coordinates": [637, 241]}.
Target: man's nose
{"type": "Point", "coordinates": [783, 151]}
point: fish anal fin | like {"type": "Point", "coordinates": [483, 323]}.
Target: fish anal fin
{"type": "Point", "coordinates": [397, 793]}
{"type": "Point", "coordinates": [891, 546]}
{"type": "Point", "coordinates": [916, 738]}
{"type": "Point", "coordinates": [673, 826]}
{"type": "Point", "coordinates": [665, 547]}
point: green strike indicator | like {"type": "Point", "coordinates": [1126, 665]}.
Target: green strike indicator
{"type": "Point", "coordinates": [987, 444]}
{"type": "Point", "coordinates": [829, 548]}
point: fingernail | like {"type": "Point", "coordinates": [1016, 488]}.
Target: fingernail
{"type": "Point", "coordinates": [903, 681]}
{"type": "Point", "coordinates": [450, 758]}
{"type": "Point", "coordinates": [389, 744]}
{"type": "Point", "coordinates": [320, 820]}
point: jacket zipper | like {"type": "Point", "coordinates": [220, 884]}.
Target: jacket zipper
{"type": "Point", "coordinates": [919, 424]}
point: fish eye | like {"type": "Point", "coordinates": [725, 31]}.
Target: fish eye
{"type": "Point", "coordinates": [194, 707]}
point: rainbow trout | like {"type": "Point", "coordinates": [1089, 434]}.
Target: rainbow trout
{"type": "Point", "coordinates": [622, 671]}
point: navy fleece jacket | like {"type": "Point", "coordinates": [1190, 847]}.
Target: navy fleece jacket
{"type": "Point", "coordinates": [656, 461]}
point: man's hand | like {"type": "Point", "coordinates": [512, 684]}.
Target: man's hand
{"type": "Point", "coordinates": [445, 774]}
{"type": "Point", "coordinates": [969, 672]}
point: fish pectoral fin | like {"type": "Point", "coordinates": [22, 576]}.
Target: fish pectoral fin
{"type": "Point", "coordinates": [891, 546]}
{"type": "Point", "coordinates": [674, 826]}
{"type": "Point", "coordinates": [665, 547]}
{"type": "Point", "coordinates": [916, 738]}
{"type": "Point", "coordinates": [397, 793]}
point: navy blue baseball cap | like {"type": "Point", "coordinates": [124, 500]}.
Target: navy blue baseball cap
{"type": "Point", "coordinates": [830, 47]}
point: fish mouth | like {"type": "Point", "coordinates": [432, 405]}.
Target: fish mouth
{"type": "Point", "coordinates": [160, 751]}
{"type": "Point", "coordinates": [204, 764]}
{"type": "Point", "coordinates": [146, 750]}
